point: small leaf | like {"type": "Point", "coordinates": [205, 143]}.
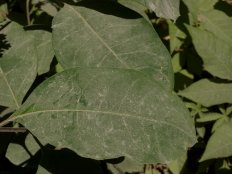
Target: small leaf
{"type": "Point", "coordinates": [177, 165]}
{"type": "Point", "coordinates": [176, 63]}
{"type": "Point", "coordinates": [49, 8]}
{"type": "Point", "coordinates": [229, 110]}
{"type": "Point", "coordinates": [208, 93]}
{"type": "Point", "coordinates": [216, 54]}
{"type": "Point", "coordinates": [137, 5]}
{"type": "Point", "coordinates": [17, 153]}
{"type": "Point", "coordinates": [175, 36]}
{"type": "Point", "coordinates": [44, 49]}
{"type": "Point", "coordinates": [3, 11]}
{"type": "Point", "coordinates": [17, 66]}
{"type": "Point", "coordinates": [219, 123]}
{"type": "Point", "coordinates": [220, 143]}
{"type": "Point", "coordinates": [206, 117]}
{"type": "Point", "coordinates": [42, 170]}
{"type": "Point", "coordinates": [107, 113]}
{"type": "Point", "coordinates": [126, 166]}
{"type": "Point", "coordinates": [120, 40]}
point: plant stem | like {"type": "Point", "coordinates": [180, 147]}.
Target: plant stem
{"type": "Point", "coordinates": [28, 12]}
{"type": "Point", "coordinates": [11, 129]}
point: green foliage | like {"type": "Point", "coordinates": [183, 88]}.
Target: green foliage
{"type": "Point", "coordinates": [93, 78]}
{"type": "Point", "coordinates": [17, 66]}
{"type": "Point", "coordinates": [119, 116]}
{"type": "Point", "coordinates": [168, 9]}
{"type": "Point", "coordinates": [112, 41]}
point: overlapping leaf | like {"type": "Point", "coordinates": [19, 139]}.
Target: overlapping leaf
{"type": "Point", "coordinates": [209, 93]}
{"type": "Point", "coordinates": [90, 35]}
{"type": "Point", "coordinates": [17, 66]}
{"type": "Point", "coordinates": [44, 49]}
{"type": "Point", "coordinates": [220, 143]}
{"type": "Point", "coordinates": [218, 23]}
{"type": "Point", "coordinates": [216, 54]}
{"type": "Point", "coordinates": [107, 113]}
{"type": "Point", "coordinates": [168, 9]}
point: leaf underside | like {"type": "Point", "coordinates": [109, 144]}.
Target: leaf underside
{"type": "Point", "coordinates": [106, 113]}
{"type": "Point", "coordinates": [17, 66]}
{"type": "Point", "coordinates": [87, 36]}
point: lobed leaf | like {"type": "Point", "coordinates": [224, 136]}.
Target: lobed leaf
{"type": "Point", "coordinates": [90, 35]}
{"type": "Point", "coordinates": [107, 113]}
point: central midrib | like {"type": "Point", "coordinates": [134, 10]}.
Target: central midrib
{"type": "Point", "coordinates": [99, 112]}
{"type": "Point", "coordinates": [97, 35]}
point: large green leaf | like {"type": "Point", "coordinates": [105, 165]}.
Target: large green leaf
{"type": "Point", "coordinates": [208, 93]}
{"type": "Point", "coordinates": [218, 23]}
{"type": "Point", "coordinates": [220, 143]}
{"type": "Point", "coordinates": [17, 66]}
{"type": "Point", "coordinates": [216, 54]}
{"type": "Point", "coordinates": [91, 35]}
{"type": "Point", "coordinates": [107, 113]}
{"type": "Point", "coordinates": [44, 49]}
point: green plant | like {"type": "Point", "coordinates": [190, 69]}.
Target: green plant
{"type": "Point", "coordinates": [94, 77]}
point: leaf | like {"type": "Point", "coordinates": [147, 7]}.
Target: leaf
{"type": "Point", "coordinates": [219, 123]}
{"type": "Point", "coordinates": [218, 23]}
{"type": "Point", "coordinates": [126, 166]}
{"type": "Point", "coordinates": [177, 166]}
{"type": "Point", "coordinates": [220, 143]}
{"type": "Point", "coordinates": [137, 5]}
{"type": "Point", "coordinates": [168, 9]}
{"type": "Point", "coordinates": [3, 11]}
{"type": "Point", "coordinates": [175, 36]}
{"type": "Point", "coordinates": [42, 170]}
{"type": "Point", "coordinates": [17, 153]}
{"type": "Point", "coordinates": [49, 8]}
{"type": "Point", "coordinates": [198, 6]}
{"type": "Point", "coordinates": [208, 93]}
{"type": "Point", "coordinates": [216, 54]}
{"type": "Point", "coordinates": [44, 49]}
{"type": "Point", "coordinates": [206, 117]}
{"type": "Point", "coordinates": [107, 113]}
{"type": "Point", "coordinates": [120, 40]}
{"type": "Point", "coordinates": [17, 66]}
{"type": "Point", "coordinates": [176, 63]}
